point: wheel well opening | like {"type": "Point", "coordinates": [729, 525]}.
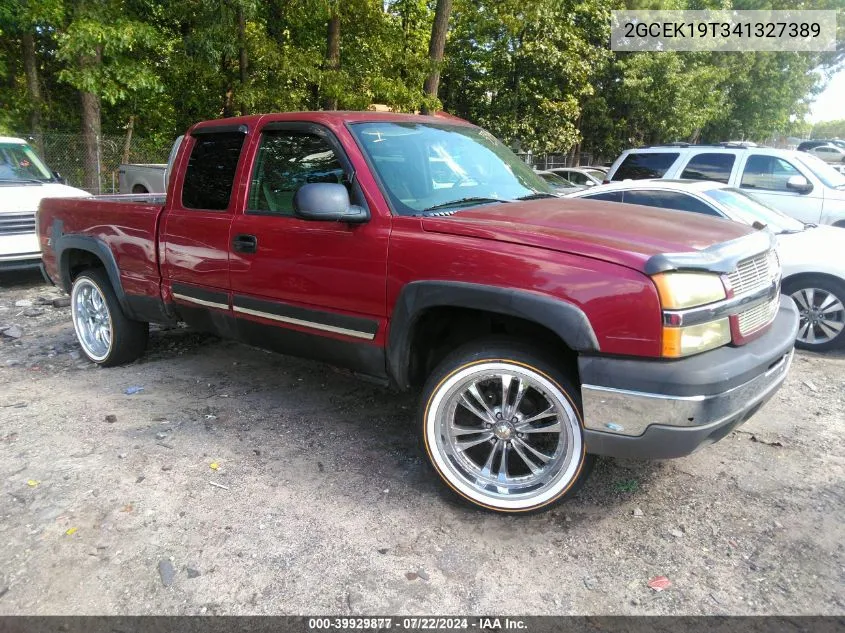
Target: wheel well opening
{"type": "Point", "coordinates": [440, 330]}
{"type": "Point", "coordinates": [805, 278]}
{"type": "Point", "coordinates": [78, 261]}
{"type": "Point", "coordinates": [840, 224]}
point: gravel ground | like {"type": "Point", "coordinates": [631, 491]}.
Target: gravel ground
{"type": "Point", "coordinates": [242, 482]}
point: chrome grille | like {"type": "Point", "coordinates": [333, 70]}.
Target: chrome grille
{"type": "Point", "coordinates": [757, 317]}
{"type": "Point", "coordinates": [17, 223]}
{"type": "Point", "coordinates": [755, 273]}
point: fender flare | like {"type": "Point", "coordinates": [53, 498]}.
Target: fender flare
{"type": "Point", "coordinates": [566, 320]}
{"type": "Point", "coordinates": [63, 244]}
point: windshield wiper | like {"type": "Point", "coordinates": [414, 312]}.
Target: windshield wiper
{"type": "Point", "coordinates": [537, 196]}
{"type": "Point", "coordinates": [471, 200]}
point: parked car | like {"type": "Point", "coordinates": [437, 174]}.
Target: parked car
{"type": "Point", "coordinates": [24, 181]}
{"type": "Point", "coordinates": [558, 184]}
{"type": "Point", "coordinates": [810, 255]}
{"type": "Point", "coordinates": [582, 176]}
{"type": "Point", "coordinates": [140, 178]}
{"type": "Point", "coordinates": [541, 331]}
{"type": "Point", "coordinates": [806, 146]}
{"type": "Point", "coordinates": [829, 153]}
{"type": "Point", "coordinates": [795, 183]}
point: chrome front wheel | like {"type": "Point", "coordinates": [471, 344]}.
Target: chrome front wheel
{"type": "Point", "coordinates": [504, 434]}
{"type": "Point", "coordinates": [92, 319]}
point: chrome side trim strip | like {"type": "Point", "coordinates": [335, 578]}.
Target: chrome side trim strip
{"type": "Point", "coordinates": [202, 302]}
{"type": "Point", "coordinates": [309, 324]}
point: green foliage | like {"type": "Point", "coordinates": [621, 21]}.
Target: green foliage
{"type": "Point", "coordinates": [522, 69]}
{"type": "Point", "coordinates": [829, 129]}
{"type": "Point", "coordinates": [539, 73]}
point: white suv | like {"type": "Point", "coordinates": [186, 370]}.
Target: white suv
{"type": "Point", "coordinates": [795, 183]}
{"type": "Point", "coordinates": [24, 181]}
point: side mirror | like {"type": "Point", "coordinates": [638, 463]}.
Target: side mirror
{"type": "Point", "coordinates": [327, 202]}
{"type": "Point", "coordinates": [59, 178]}
{"type": "Point", "coordinates": [590, 183]}
{"type": "Point", "coordinates": [799, 184]}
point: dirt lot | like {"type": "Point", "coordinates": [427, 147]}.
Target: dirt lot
{"type": "Point", "coordinates": [239, 481]}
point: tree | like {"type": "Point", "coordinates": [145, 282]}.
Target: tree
{"type": "Point", "coordinates": [523, 69]}
{"type": "Point", "coordinates": [108, 56]}
{"type": "Point", "coordinates": [436, 46]}
{"type": "Point", "coordinates": [829, 129]}
{"type": "Point", "coordinates": [23, 21]}
{"type": "Point", "coordinates": [332, 61]}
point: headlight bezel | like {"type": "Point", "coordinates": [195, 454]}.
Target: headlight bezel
{"type": "Point", "coordinates": [680, 291]}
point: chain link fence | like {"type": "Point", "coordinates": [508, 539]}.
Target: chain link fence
{"type": "Point", "coordinates": [554, 161]}
{"type": "Point", "coordinates": [64, 152]}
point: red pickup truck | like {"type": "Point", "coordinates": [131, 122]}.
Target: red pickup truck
{"type": "Point", "coordinates": [419, 251]}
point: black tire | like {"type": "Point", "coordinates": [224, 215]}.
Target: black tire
{"type": "Point", "coordinates": [125, 340]}
{"type": "Point", "coordinates": [510, 440]}
{"type": "Point", "coordinates": [831, 287]}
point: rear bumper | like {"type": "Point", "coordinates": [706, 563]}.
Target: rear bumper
{"type": "Point", "coordinates": [663, 409]}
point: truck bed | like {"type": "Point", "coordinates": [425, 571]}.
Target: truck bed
{"type": "Point", "coordinates": [125, 225]}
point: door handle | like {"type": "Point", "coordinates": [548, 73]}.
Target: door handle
{"type": "Point", "coordinates": [245, 244]}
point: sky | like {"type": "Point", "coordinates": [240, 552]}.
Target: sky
{"type": "Point", "coordinates": [830, 104]}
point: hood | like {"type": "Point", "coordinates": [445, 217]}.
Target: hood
{"type": "Point", "coordinates": [25, 197]}
{"type": "Point", "coordinates": [614, 232]}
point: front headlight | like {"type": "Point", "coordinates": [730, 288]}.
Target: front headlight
{"type": "Point", "coordinates": [684, 290]}
{"type": "Point", "coordinates": [688, 290]}
{"type": "Point", "coordinates": [694, 339]}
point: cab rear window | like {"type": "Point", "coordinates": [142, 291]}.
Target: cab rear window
{"type": "Point", "coordinates": [642, 166]}
{"type": "Point", "coordinates": [211, 170]}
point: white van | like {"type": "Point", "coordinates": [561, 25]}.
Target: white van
{"type": "Point", "coordinates": [24, 181]}
{"type": "Point", "coordinates": [795, 183]}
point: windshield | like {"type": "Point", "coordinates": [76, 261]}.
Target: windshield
{"type": "Point", "coordinates": [824, 172]}
{"type": "Point", "coordinates": [19, 163]}
{"type": "Point", "coordinates": [743, 208]}
{"type": "Point", "coordinates": [426, 165]}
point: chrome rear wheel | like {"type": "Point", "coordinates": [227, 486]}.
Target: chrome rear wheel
{"type": "Point", "coordinates": [107, 336]}
{"type": "Point", "coordinates": [91, 319]}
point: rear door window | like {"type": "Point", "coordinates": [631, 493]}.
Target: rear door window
{"type": "Point", "coordinates": [211, 170]}
{"type": "Point", "coordinates": [639, 166]}
{"type": "Point", "coordinates": [716, 167]}
{"type": "Point", "coordinates": [669, 200]}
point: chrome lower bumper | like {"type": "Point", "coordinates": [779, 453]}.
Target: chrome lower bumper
{"type": "Point", "coordinates": [630, 413]}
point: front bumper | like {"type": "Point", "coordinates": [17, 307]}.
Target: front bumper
{"type": "Point", "coordinates": [20, 261]}
{"type": "Point", "coordinates": [662, 409]}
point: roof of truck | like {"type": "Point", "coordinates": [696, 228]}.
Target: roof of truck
{"type": "Point", "coordinates": [333, 117]}
{"type": "Point", "coordinates": [12, 139]}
